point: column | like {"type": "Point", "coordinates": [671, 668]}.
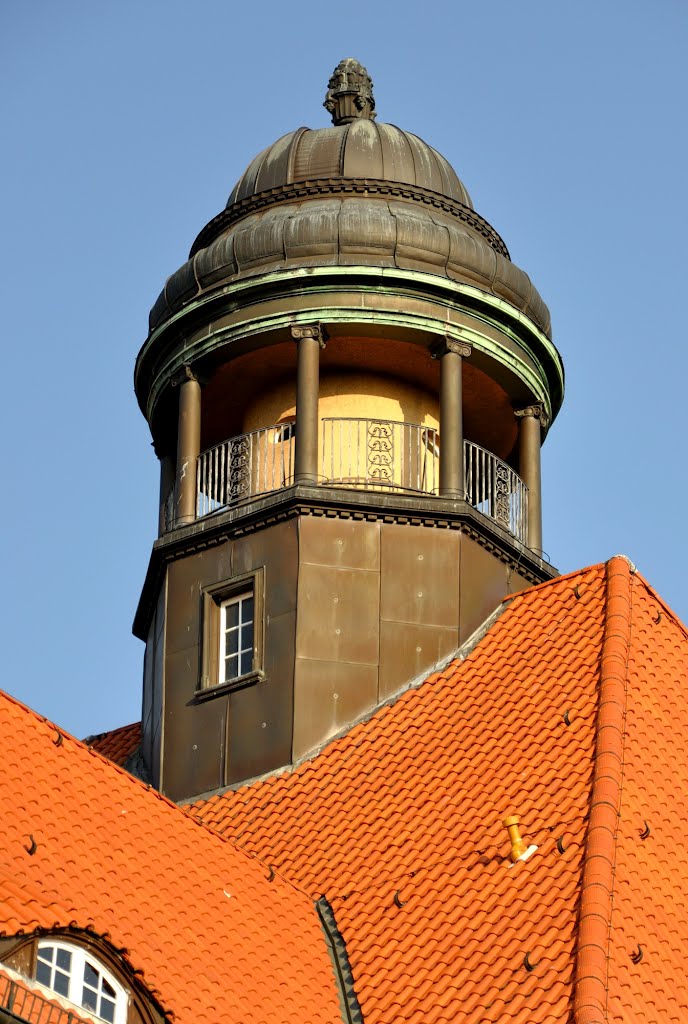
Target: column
{"type": "Point", "coordinates": [532, 420]}
{"type": "Point", "coordinates": [166, 489]}
{"type": "Point", "coordinates": [310, 340]}
{"type": "Point", "coordinates": [452, 472]}
{"type": "Point", "coordinates": [188, 445]}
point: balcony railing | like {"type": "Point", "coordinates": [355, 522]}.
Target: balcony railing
{"type": "Point", "coordinates": [245, 467]}
{"type": "Point", "coordinates": [28, 1005]}
{"type": "Point", "coordinates": [495, 489]}
{"type": "Point", "coordinates": [358, 453]}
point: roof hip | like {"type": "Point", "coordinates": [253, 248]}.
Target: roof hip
{"type": "Point", "coordinates": [592, 959]}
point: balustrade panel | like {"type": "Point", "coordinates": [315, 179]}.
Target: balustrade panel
{"type": "Point", "coordinates": [380, 454]}
{"type": "Point", "coordinates": [245, 467]}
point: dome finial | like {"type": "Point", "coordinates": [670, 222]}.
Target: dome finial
{"type": "Point", "coordinates": [350, 93]}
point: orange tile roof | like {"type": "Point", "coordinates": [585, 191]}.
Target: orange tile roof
{"type": "Point", "coordinates": [85, 846]}
{"type": "Point", "coordinates": [569, 713]}
{"type": "Point", "coordinates": [117, 744]}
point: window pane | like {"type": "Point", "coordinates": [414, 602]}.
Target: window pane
{"type": "Point", "coordinates": [247, 609]}
{"type": "Point", "coordinates": [61, 983]}
{"type": "Point", "coordinates": [232, 615]}
{"type": "Point", "coordinates": [42, 972]}
{"type": "Point", "coordinates": [107, 1010]}
{"type": "Point", "coordinates": [89, 999]}
{"type": "Point", "coordinates": [247, 636]}
{"type": "Point", "coordinates": [246, 662]}
{"type": "Point", "coordinates": [107, 989]}
{"type": "Point", "coordinates": [64, 959]}
{"type": "Point", "coordinates": [232, 642]}
{"type": "Point", "coordinates": [232, 667]}
{"type": "Point", "coordinates": [90, 976]}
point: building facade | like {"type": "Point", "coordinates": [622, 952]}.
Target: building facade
{"type": "Point", "coordinates": [391, 766]}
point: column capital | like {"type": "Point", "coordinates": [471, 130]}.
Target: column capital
{"type": "Point", "coordinates": [183, 374]}
{"type": "Point", "coordinates": [317, 331]}
{"type": "Point", "coordinates": [537, 411]}
{"type": "Point", "coordinates": [446, 344]}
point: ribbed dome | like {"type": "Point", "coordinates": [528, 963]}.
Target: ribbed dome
{"type": "Point", "coordinates": [358, 193]}
{"type": "Point", "coordinates": [361, 149]}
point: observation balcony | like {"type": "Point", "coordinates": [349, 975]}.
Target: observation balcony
{"type": "Point", "coordinates": [365, 454]}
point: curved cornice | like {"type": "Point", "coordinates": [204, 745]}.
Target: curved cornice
{"type": "Point", "coordinates": [317, 188]}
{"type": "Point", "coordinates": [419, 304]}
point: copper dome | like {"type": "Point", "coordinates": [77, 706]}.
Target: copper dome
{"type": "Point", "coordinates": [359, 149]}
{"type": "Point", "coordinates": [354, 194]}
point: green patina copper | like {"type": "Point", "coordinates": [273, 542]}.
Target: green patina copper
{"type": "Point", "coordinates": [400, 285]}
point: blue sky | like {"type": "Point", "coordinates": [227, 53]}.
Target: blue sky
{"type": "Point", "coordinates": [125, 126]}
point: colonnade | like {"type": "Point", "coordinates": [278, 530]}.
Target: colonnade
{"type": "Point", "coordinates": [310, 340]}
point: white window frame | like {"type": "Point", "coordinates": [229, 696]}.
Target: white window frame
{"type": "Point", "coordinates": [80, 958]}
{"type": "Point", "coordinates": [237, 599]}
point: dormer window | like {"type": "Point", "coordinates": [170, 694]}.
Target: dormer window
{"type": "Point", "coordinates": [74, 973]}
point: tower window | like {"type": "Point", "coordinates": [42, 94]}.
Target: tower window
{"type": "Point", "coordinates": [72, 972]}
{"type": "Point", "coordinates": [236, 636]}
{"type": "Point", "coordinates": [233, 627]}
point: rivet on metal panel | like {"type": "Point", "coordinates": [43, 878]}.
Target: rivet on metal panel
{"type": "Point", "coordinates": [263, 725]}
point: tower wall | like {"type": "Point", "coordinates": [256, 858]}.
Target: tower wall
{"type": "Point", "coordinates": [350, 611]}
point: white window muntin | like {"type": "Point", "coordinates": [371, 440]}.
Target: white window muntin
{"type": "Point", "coordinates": [237, 632]}
{"type": "Point", "coordinates": [73, 973]}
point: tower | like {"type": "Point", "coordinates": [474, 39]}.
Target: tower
{"type": "Point", "coordinates": [347, 385]}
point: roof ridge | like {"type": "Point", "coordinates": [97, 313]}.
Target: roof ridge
{"type": "Point", "coordinates": [592, 948]}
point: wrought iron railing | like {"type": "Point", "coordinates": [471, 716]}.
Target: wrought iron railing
{"type": "Point", "coordinates": [359, 453]}
{"type": "Point", "coordinates": [244, 467]}
{"type": "Point", "coordinates": [495, 489]}
{"type": "Point", "coordinates": [31, 1006]}
{"type": "Point", "coordinates": [377, 454]}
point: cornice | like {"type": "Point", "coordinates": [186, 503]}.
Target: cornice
{"type": "Point", "coordinates": [547, 385]}
{"type": "Point", "coordinates": [317, 188]}
{"type": "Point", "coordinates": [333, 503]}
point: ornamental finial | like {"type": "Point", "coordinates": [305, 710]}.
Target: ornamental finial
{"type": "Point", "coordinates": [350, 93]}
